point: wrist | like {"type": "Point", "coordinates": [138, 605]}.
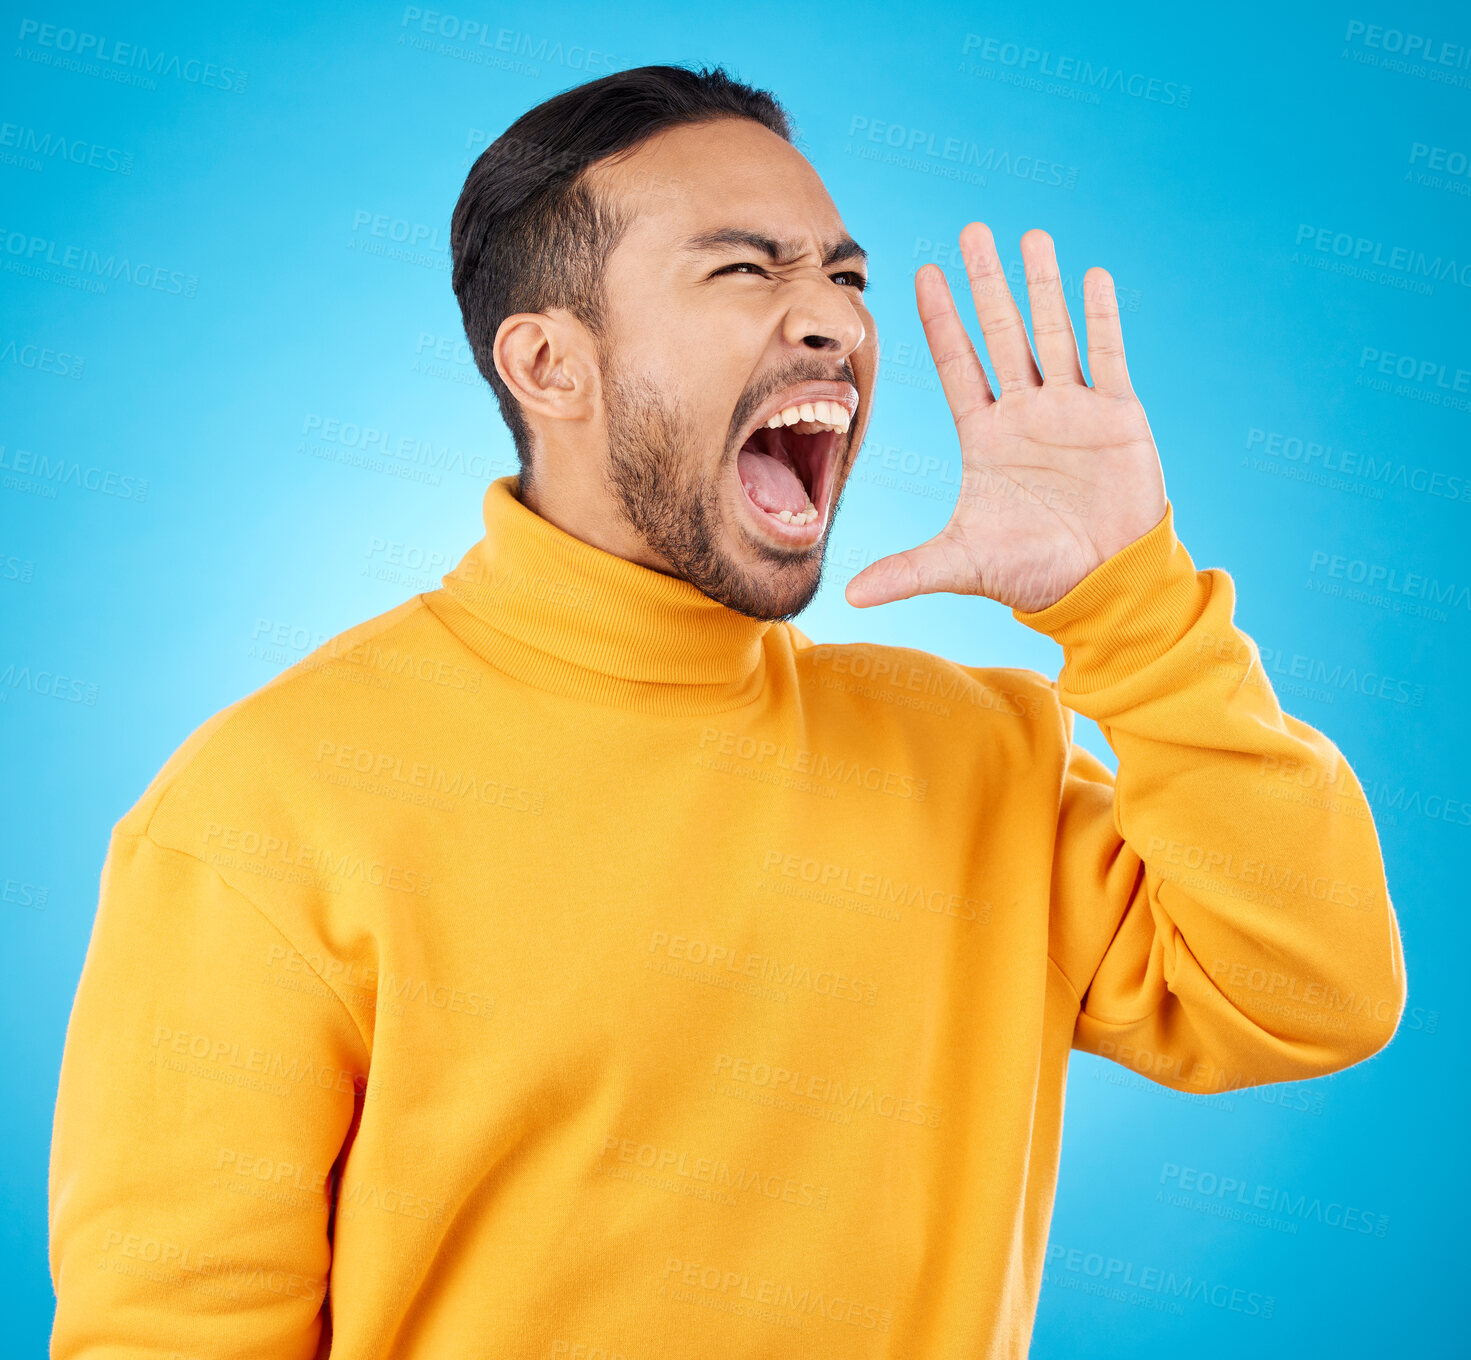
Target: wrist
{"type": "Point", "coordinates": [1127, 612]}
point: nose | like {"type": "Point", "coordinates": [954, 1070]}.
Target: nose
{"type": "Point", "coordinates": [822, 316]}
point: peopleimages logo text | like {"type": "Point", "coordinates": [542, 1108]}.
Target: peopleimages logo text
{"type": "Point", "coordinates": [108, 52]}
{"type": "Point", "coordinates": [1361, 249]}
{"type": "Point", "coordinates": [1025, 58]}
{"type": "Point", "coordinates": [1415, 46]}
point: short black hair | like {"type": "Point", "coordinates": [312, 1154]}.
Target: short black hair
{"type": "Point", "coordinates": [530, 233]}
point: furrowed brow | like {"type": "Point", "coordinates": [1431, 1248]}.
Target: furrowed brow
{"type": "Point", "coordinates": [844, 248]}
{"type": "Point", "coordinates": [778, 252]}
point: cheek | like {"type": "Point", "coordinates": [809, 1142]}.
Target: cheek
{"type": "Point", "coordinates": [865, 359]}
{"type": "Point", "coordinates": [649, 325]}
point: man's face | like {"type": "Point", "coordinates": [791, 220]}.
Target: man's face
{"type": "Point", "coordinates": [710, 338]}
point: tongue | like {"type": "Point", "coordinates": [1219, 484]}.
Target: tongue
{"type": "Point", "coordinates": [772, 485]}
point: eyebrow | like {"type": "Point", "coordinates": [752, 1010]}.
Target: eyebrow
{"type": "Point", "coordinates": [779, 252]}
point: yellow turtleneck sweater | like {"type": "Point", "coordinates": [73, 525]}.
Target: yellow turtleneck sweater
{"type": "Point", "coordinates": [562, 964]}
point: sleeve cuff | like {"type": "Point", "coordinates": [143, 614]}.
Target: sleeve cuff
{"type": "Point", "coordinates": [1127, 612]}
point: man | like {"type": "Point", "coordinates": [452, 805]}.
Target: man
{"type": "Point", "coordinates": [577, 960]}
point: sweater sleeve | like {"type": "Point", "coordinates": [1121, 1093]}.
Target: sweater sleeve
{"type": "Point", "coordinates": [201, 1110]}
{"type": "Point", "coordinates": [1220, 908]}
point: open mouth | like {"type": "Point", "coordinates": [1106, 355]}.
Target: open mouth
{"type": "Point", "coordinates": [786, 466]}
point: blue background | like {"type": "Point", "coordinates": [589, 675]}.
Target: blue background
{"type": "Point", "coordinates": [271, 303]}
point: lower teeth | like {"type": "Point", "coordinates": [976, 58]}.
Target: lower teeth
{"type": "Point", "coordinates": [805, 516]}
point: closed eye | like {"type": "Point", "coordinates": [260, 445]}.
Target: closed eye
{"type": "Point", "coordinates": [856, 278]}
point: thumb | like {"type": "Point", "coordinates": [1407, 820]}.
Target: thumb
{"type": "Point", "coordinates": [924, 570]}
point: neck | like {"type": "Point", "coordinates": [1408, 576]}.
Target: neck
{"type": "Point", "coordinates": [570, 616]}
{"type": "Point", "coordinates": [582, 507]}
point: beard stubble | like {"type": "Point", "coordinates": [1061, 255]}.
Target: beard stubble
{"type": "Point", "coordinates": [675, 508]}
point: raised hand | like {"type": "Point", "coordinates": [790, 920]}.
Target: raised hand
{"type": "Point", "coordinates": [1056, 476]}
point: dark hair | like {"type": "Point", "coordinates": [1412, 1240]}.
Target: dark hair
{"type": "Point", "coordinates": [529, 232]}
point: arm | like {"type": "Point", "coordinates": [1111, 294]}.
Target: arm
{"type": "Point", "coordinates": [1221, 914]}
{"type": "Point", "coordinates": [1220, 911]}
{"type": "Point", "coordinates": [199, 1116]}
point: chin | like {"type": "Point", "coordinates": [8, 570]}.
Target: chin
{"type": "Point", "coordinates": [761, 577]}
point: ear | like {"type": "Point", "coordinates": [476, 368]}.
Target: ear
{"type": "Point", "coordinates": [546, 359]}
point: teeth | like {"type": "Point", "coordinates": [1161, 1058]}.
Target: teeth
{"type": "Point", "coordinates": [801, 517]}
{"type": "Point", "coordinates": [830, 415]}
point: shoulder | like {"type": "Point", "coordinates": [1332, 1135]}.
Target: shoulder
{"type": "Point", "coordinates": [253, 758]}
{"type": "Point", "coordinates": [930, 689]}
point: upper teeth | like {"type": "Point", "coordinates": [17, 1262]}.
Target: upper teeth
{"type": "Point", "coordinates": [831, 415]}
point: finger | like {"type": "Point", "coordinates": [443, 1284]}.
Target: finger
{"type": "Point", "coordinates": [924, 570]}
{"type": "Point", "coordinates": [1001, 322]}
{"type": "Point", "coordinates": [1052, 327]}
{"type": "Point", "coordinates": [1105, 337]}
{"type": "Point", "coordinates": [956, 361]}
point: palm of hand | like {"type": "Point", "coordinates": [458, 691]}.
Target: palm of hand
{"type": "Point", "coordinates": [1056, 476]}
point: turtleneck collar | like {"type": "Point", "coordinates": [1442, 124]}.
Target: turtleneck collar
{"type": "Point", "coordinates": [573, 619]}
